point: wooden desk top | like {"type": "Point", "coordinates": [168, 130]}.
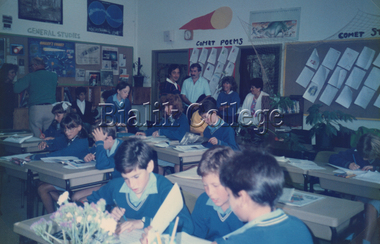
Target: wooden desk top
{"type": "Point", "coordinates": [23, 228]}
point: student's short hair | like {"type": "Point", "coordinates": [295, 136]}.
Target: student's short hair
{"type": "Point", "coordinates": [175, 101]}
{"type": "Point", "coordinates": [196, 65]}
{"type": "Point", "coordinates": [4, 70]}
{"type": "Point", "coordinates": [109, 130]}
{"type": "Point", "coordinates": [213, 158]}
{"type": "Point", "coordinates": [122, 85]}
{"type": "Point", "coordinates": [38, 61]}
{"type": "Point", "coordinates": [208, 105]}
{"type": "Point", "coordinates": [257, 173]}
{"type": "Point", "coordinates": [231, 80]}
{"type": "Point", "coordinates": [79, 90]}
{"type": "Point", "coordinates": [58, 109]}
{"type": "Point", "coordinates": [133, 153]}
{"type": "Point", "coordinates": [73, 120]}
{"type": "Point", "coordinates": [257, 82]}
{"type": "Point", "coordinates": [173, 67]}
{"type": "Point", "coordinates": [369, 146]}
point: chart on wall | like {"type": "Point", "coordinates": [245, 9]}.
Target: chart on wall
{"type": "Point", "coordinates": [105, 18]}
{"type": "Point", "coordinates": [59, 56]}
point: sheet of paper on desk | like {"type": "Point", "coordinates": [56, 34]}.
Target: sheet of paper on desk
{"type": "Point", "coordinates": [17, 139]}
{"type": "Point", "coordinates": [300, 199]}
{"type": "Point", "coordinates": [159, 139]}
{"type": "Point", "coordinates": [161, 144]}
{"type": "Point", "coordinates": [189, 148]}
{"type": "Point", "coordinates": [282, 159]}
{"type": "Point", "coordinates": [59, 159]}
{"type": "Point", "coordinates": [184, 238]}
{"type": "Point", "coordinates": [348, 171]}
{"type": "Point", "coordinates": [304, 164]}
{"type": "Point", "coordinates": [181, 238]}
{"type": "Point", "coordinates": [189, 174]}
{"type": "Point", "coordinates": [22, 156]}
{"type": "Point", "coordinates": [132, 237]}
{"type": "Point", "coordinates": [369, 176]}
{"type": "Point", "coordinates": [74, 165]}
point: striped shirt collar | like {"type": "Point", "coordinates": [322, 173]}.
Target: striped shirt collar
{"type": "Point", "coordinates": [217, 208]}
{"type": "Point", "coordinates": [151, 188]}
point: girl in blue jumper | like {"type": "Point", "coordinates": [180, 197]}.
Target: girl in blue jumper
{"type": "Point", "coordinates": [139, 193]}
{"type": "Point", "coordinates": [77, 146]}
{"type": "Point", "coordinates": [228, 100]}
{"type": "Point", "coordinates": [212, 215]}
{"type": "Point", "coordinates": [366, 156]}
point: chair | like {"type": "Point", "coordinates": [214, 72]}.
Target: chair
{"type": "Point", "coordinates": [190, 200]}
{"type": "Point", "coordinates": [323, 156]}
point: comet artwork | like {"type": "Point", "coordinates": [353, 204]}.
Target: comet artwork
{"type": "Point", "coordinates": [218, 19]}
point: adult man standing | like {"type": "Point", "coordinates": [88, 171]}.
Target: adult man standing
{"type": "Point", "coordinates": [41, 86]}
{"type": "Point", "coordinates": [194, 86]}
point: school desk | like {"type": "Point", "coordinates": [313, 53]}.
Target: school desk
{"type": "Point", "coordinates": [69, 179]}
{"type": "Point", "coordinates": [18, 148]}
{"type": "Point", "coordinates": [8, 133]}
{"type": "Point", "coordinates": [351, 186]}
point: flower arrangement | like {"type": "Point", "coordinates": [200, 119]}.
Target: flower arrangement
{"type": "Point", "coordinates": [88, 224]}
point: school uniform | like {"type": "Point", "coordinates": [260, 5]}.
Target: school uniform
{"type": "Point", "coordinates": [158, 187]}
{"type": "Point", "coordinates": [344, 158]}
{"type": "Point", "coordinates": [105, 158]}
{"type": "Point", "coordinates": [223, 132]}
{"type": "Point", "coordinates": [84, 109]}
{"type": "Point", "coordinates": [231, 98]}
{"type": "Point", "coordinates": [59, 141]}
{"type": "Point", "coordinates": [119, 112]}
{"type": "Point", "coordinates": [273, 228]}
{"type": "Point", "coordinates": [210, 221]}
{"type": "Point", "coordinates": [173, 129]}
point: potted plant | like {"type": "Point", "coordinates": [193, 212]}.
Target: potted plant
{"type": "Point", "coordinates": [138, 79]}
{"type": "Point", "coordinates": [326, 124]}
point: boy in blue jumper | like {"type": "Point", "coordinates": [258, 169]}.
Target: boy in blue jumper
{"type": "Point", "coordinates": [218, 131]}
{"type": "Point", "coordinates": [139, 193]}
{"type": "Point", "coordinates": [254, 182]}
{"type": "Point", "coordinates": [212, 215]}
{"type": "Point", "coordinates": [103, 152]}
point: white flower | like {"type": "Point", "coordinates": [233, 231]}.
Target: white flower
{"type": "Point", "coordinates": [109, 225]}
{"type": "Point", "coordinates": [79, 219]}
{"type": "Point", "coordinates": [69, 215]}
{"type": "Point", "coordinates": [63, 198]}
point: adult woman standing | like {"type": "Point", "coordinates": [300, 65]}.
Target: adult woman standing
{"type": "Point", "coordinates": [228, 100]}
{"type": "Point", "coordinates": [8, 99]}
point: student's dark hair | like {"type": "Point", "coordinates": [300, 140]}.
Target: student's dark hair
{"type": "Point", "coordinates": [213, 158]}
{"type": "Point", "coordinates": [257, 82]}
{"type": "Point", "coordinates": [231, 80]}
{"type": "Point", "coordinates": [109, 130]}
{"type": "Point", "coordinates": [122, 85]}
{"type": "Point", "coordinates": [132, 154]}
{"type": "Point", "coordinates": [196, 65]}
{"type": "Point", "coordinates": [5, 69]}
{"type": "Point", "coordinates": [369, 146]}
{"type": "Point", "coordinates": [108, 93]}
{"type": "Point", "coordinates": [38, 61]}
{"type": "Point", "coordinates": [79, 90]}
{"type": "Point", "coordinates": [257, 173]}
{"type": "Point", "coordinates": [58, 109]}
{"type": "Point", "coordinates": [208, 105]}
{"type": "Point", "coordinates": [73, 120]}
{"type": "Point", "coordinates": [175, 101]}
{"type": "Point", "coordinates": [173, 67]}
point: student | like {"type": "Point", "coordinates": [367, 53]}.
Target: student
{"type": "Point", "coordinates": [254, 182]}
{"type": "Point", "coordinates": [103, 152]}
{"type": "Point", "coordinates": [366, 156]}
{"type": "Point", "coordinates": [84, 108]}
{"type": "Point", "coordinates": [77, 146]}
{"type": "Point", "coordinates": [139, 193]}
{"type": "Point", "coordinates": [219, 132]}
{"type": "Point", "coordinates": [212, 215]}
{"type": "Point", "coordinates": [228, 100]}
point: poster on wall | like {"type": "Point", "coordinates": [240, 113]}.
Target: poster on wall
{"type": "Point", "coordinates": [104, 17]}
{"type": "Point", "coordinates": [274, 24]}
{"type": "Point", "coordinates": [58, 55]}
{"type": "Point", "coordinates": [109, 59]}
{"type": "Point", "coordinates": [87, 53]}
{"type": "Point", "coordinates": [44, 11]}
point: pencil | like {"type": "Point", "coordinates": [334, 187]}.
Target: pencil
{"type": "Point", "coordinates": [174, 231]}
{"type": "Point", "coordinates": [158, 238]}
{"type": "Point", "coordinates": [125, 218]}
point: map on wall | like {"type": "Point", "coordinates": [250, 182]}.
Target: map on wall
{"type": "Point", "coordinates": [59, 56]}
{"type": "Point", "coordinates": [105, 18]}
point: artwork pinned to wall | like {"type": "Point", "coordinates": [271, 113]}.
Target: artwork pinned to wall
{"type": "Point", "coordinates": [106, 77]}
{"type": "Point", "coordinates": [105, 18]}
{"type": "Point", "coordinates": [17, 49]}
{"type": "Point", "coordinates": [44, 11]}
{"type": "Point", "coordinates": [58, 55]}
{"type": "Point", "coordinates": [87, 53]}
{"type": "Point", "coordinates": [93, 77]}
{"type": "Point", "coordinates": [218, 19]}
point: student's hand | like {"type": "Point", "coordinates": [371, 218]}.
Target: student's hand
{"type": "Point", "coordinates": [117, 213]}
{"type": "Point", "coordinates": [140, 134]}
{"type": "Point", "coordinates": [42, 136]}
{"type": "Point", "coordinates": [353, 166]}
{"type": "Point", "coordinates": [89, 157]}
{"type": "Point", "coordinates": [42, 145]}
{"type": "Point", "coordinates": [144, 237]}
{"type": "Point", "coordinates": [98, 135]}
{"type": "Point", "coordinates": [213, 141]}
{"type": "Point", "coordinates": [156, 134]}
{"type": "Point", "coordinates": [49, 138]}
{"type": "Point", "coordinates": [129, 226]}
{"type": "Point", "coordinates": [366, 168]}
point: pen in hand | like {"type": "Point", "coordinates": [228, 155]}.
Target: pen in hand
{"type": "Point", "coordinates": [125, 218]}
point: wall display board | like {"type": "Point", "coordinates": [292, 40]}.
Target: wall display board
{"type": "Point", "coordinates": [341, 75]}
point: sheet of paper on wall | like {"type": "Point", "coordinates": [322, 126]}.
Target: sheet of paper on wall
{"type": "Point", "coordinates": [203, 57]}
{"type": "Point", "coordinates": [80, 74]}
{"type": "Point", "coordinates": [321, 75]}
{"type": "Point", "coordinates": [208, 72]}
{"type": "Point", "coordinates": [331, 58]}
{"type": "Point", "coordinates": [338, 77]}
{"type": "Point", "coordinates": [355, 78]}
{"type": "Point", "coordinates": [229, 70]}
{"type": "Point", "coordinates": [377, 102]}
{"type": "Point", "coordinates": [364, 97]}
{"type": "Point", "coordinates": [223, 55]}
{"type": "Point", "coordinates": [122, 60]}
{"type": "Point", "coordinates": [233, 54]}
{"type": "Point", "coordinates": [348, 58]}
{"type": "Point", "coordinates": [373, 79]}
{"type": "Point", "coordinates": [212, 57]}
{"type": "Point", "coordinates": [214, 86]}
{"type": "Point", "coordinates": [313, 61]}
{"type": "Point", "coordinates": [345, 97]}
{"type": "Point", "coordinates": [87, 53]}
{"type": "Point", "coordinates": [377, 61]}
{"type": "Point", "coordinates": [365, 58]}
{"type": "Point", "coordinates": [219, 68]}
{"type": "Point", "coordinates": [328, 94]}
{"type": "Point", "coordinates": [305, 77]}
{"type": "Point", "coordinates": [194, 55]}
{"type": "Point", "coordinates": [312, 92]}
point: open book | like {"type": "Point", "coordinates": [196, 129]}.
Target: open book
{"type": "Point", "coordinates": [292, 197]}
{"type": "Point", "coordinates": [18, 139]}
{"type": "Point", "coordinates": [191, 138]}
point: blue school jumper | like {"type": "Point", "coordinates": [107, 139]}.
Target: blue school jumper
{"type": "Point", "coordinates": [272, 228]}
{"type": "Point", "coordinates": [173, 129]}
{"type": "Point", "coordinates": [344, 158]}
{"type": "Point", "coordinates": [210, 222]}
{"type": "Point", "coordinates": [105, 158]}
{"type": "Point", "coordinates": [119, 112]}
{"type": "Point", "coordinates": [59, 141]}
{"type": "Point", "coordinates": [223, 132]}
{"type": "Point", "coordinates": [77, 147]}
{"type": "Point", "coordinates": [147, 206]}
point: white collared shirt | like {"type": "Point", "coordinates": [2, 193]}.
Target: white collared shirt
{"type": "Point", "coordinates": [81, 105]}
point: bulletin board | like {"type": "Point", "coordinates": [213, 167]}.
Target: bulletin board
{"type": "Point", "coordinates": [76, 63]}
{"type": "Point", "coordinates": [341, 75]}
